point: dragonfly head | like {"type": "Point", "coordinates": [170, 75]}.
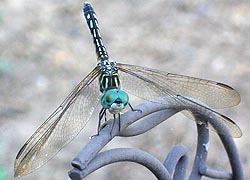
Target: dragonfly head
{"type": "Point", "coordinates": [115, 100]}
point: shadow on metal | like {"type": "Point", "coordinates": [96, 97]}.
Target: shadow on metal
{"type": "Point", "coordinates": [175, 164]}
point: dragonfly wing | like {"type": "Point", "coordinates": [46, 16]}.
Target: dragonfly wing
{"type": "Point", "coordinates": [146, 88]}
{"type": "Point", "coordinates": [214, 94]}
{"type": "Point", "coordinates": [152, 85]}
{"type": "Point", "coordinates": [60, 127]}
{"type": "Point", "coordinates": [201, 108]}
{"type": "Point", "coordinates": [232, 127]}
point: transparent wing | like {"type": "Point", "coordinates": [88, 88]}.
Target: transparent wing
{"type": "Point", "coordinates": [202, 108]}
{"type": "Point", "coordinates": [60, 127]}
{"type": "Point", "coordinates": [214, 94]}
{"type": "Point", "coordinates": [166, 88]}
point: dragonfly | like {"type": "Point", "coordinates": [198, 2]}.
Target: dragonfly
{"type": "Point", "coordinates": [109, 84]}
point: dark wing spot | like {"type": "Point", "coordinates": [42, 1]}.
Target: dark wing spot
{"type": "Point", "coordinates": [21, 150]}
{"type": "Point", "coordinates": [224, 85]}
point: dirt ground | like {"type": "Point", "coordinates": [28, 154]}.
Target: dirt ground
{"type": "Point", "coordinates": [46, 49]}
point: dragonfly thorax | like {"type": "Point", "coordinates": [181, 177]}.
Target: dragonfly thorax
{"type": "Point", "coordinates": [109, 78]}
{"type": "Point", "coordinates": [107, 67]}
{"type": "Point", "coordinates": [115, 100]}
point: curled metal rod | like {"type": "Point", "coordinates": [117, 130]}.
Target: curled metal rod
{"type": "Point", "coordinates": [201, 151]}
{"type": "Point", "coordinates": [211, 173]}
{"type": "Point", "coordinates": [175, 165]}
{"type": "Point", "coordinates": [124, 154]}
{"type": "Point", "coordinates": [231, 149]}
{"type": "Point", "coordinates": [98, 142]}
{"type": "Point", "coordinates": [177, 161]}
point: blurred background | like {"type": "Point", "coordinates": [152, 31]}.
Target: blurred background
{"type": "Point", "coordinates": [46, 49]}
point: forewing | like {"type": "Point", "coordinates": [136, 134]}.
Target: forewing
{"type": "Point", "coordinates": [214, 94]}
{"type": "Point", "coordinates": [137, 84]}
{"type": "Point", "coordinates": [152, 85]}
{"type": "Point", "coordinates": [60, 127]}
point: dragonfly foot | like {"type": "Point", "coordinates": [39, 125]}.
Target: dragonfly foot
{"type": "Point", "coordinates": [91, 137]}
{"type": "Point", "coordinates": [137, 110]}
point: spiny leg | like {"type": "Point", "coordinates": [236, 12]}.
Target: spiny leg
{"type": "Point", "coordinates": [113, 124]}
{"type": "Point", "coordinates": [119, 123]}
{"type": "Point", "coordinates": [101, 114]}
{"type": "Point", "coordinates": [138, 110]}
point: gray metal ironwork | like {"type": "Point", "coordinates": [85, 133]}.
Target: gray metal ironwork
{"type": "Point", "coordinates": [170, 93]}
{"type": "Point", "coordinates": [175, 165]}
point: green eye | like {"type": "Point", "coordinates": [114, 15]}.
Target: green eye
{"type": "Point", "coordinates": [110, 96]}
{"type": "Point", "coordinates": [123, 96]}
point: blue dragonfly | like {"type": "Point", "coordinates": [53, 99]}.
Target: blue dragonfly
{"type": "Point", "coordinates": [108, 84]}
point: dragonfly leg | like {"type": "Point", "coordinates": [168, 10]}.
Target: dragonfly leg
{"type": "Point", "coordinates": [101, 114]}
{"type": "Point", "coordinates": [138, 110]}
{"type": "Point", "coordinates": [119, 123]}
{"type": "Point", "coordinates": [113, 124]}
{"type": "Point", "coordinates": [105, 117]}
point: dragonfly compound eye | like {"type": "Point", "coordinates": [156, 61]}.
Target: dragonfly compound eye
{"type": "Point", "coordinates": [123, 97]}
{"type": "Point", "coordinates": [114, 97]}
